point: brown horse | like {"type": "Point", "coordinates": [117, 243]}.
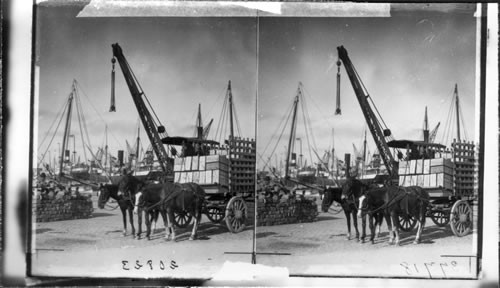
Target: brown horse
{"type": "Point", "coordinates": [169, 198]}
{"type": "Point", "coordinates": [395, 201]}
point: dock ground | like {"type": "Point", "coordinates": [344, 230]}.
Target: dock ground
{"type": "Point", "coordinates": [95, 247]}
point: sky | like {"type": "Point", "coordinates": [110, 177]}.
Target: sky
{"type": "Point", "coordinates": [407, 61]}
{"type": "Point", "coordinates": [179, 63]}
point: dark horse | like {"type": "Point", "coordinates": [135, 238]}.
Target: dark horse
{"type": "Point", "coordinates": [352, 189]}
{"type": "Point", "coordinates": [394, 201]}
{"type": "Point", "coordinates": [331, 195]}
{"type": "Point", "coordinates": [107, 191]}
{"type": "Point", "coordinates": [169, 198]}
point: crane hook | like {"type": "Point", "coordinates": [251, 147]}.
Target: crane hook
{"type": "Point", "coordinates": [337, 110]}
{"type": "Point", "coordinates": [112, 107]}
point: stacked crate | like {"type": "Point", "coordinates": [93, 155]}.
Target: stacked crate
{"type": "Point", "coordinates": [465, 173]}
{"type": "Point", "coordinates": [427, 173]}
{"type": "Point", "coordinates": [243, 152]}
{"type": "Point", "coordinates": [203, 170]}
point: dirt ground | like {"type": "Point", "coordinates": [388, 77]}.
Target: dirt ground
{"type": "Point", "coordinates": [96, 248]}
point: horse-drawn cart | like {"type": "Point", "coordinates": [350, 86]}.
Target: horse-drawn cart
{"type": "Point", "coordinates": [227, 176]}
{"type": "Point", "coordinates": [449, 179]}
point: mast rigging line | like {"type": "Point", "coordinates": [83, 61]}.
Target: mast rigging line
{"type": "Point", "coordinates": [65, 107]}
{"type": "Point", "coordinates": [59, 114]}
{"type": "Point", "coordinates": [284, 120]}
{"type": "Point", "coordinates": [308, 125]}
{"type": "Point", "coordinates": [306, 120]}
{"type": "Point", "coordinates": [222, 120]}
{"type": "Point", "coordinates": [156, 121]}
{"type": "Point", "coordinates": [83, 128]}
{"type": "Point", "coordinates": [448, 127]}
{"type": "Point", "coordinates": [368, 96]}
{"type": "Point", "coordinates": [97, 112]}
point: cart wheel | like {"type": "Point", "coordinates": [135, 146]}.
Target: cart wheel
{"type": "Point", "coordinates": [461, 218]}
{"type": "Point", "coordinates": [236, 214]}
{"type": "Point", "coordinates": [440, 218]}
{"type": "Point", "coordinates": [182, 219]}
{"type": "Point", "coordinates": [407, 222]}
{"type": "Point", "coordinates": [215, 214]}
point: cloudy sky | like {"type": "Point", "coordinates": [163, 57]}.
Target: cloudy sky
{"type": "Point", "coordinates": [407, 61]}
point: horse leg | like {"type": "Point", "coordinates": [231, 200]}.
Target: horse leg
{"type": "Point", "coordinates": [363, 228]}
{"type": "Point", "coordinates": [355, 223]}
{"type": "Point", "coordinates": [164, 216]}
{"type": "Point", "coordinates": [421, 224]}
{"type": "Point", "coordinates": [148, 226]}
{"type": "Point", "coordinates": [390, 225]}
{"type": "Point", "coordinates": [197, 218]}
{"type": "Point", "coordinates": [372, 227]}
{"type": "Point", "coordinates": [378, 224]}
{"type": "Point", "coordinates": [395, 227]}
{"type": "Point", "coordinates": [348, 219]}
{"type": "Point", "coordinates": [195, 226]}
{"type": "Point", "coordinates": [170, 215]}
{"type": "Point", "coordinates": [154, 217]}
{"type": "Point", "coordinates": [124, 216]}
{"type": "Point", "coordinates": [139, 223]}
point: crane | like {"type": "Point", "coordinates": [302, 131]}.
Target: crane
{"type": "Point", "coordinates": [434, 131]}
{"type": "Point", "coordinates": [153, 128]}
{"type": "Point", "coordinates": [379, 134]}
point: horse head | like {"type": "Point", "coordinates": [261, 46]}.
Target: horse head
{"type": "Point", "coordinates": [347, 188]}
{"type": "Point", "coordinates": [104, 194]}
{"type": "Point", "coordinates": [329, 196]}
{"type": "Point", "coordinates": [129, 185]}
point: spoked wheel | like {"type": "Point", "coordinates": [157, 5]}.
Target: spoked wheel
{"type": "Point", "coordinates": [461, 218]}
{"type": "Point", "coordinates": [407, 222]}
{"type": "Point", "coordinates": [215, 214]}
{"type": "Point", "coordinates": [182, 219]}
{"type": "Point", "coordinates": [236, 214]}
{"type": "Point", "coordinates": [440, 218]}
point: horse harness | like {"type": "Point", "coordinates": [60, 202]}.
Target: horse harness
{"type": "Point", "coordinates": [170, 197]}
{"type": "Point", "coordinates": [397, 197]}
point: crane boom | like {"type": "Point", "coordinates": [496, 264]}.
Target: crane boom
{"type": "Point", "coordinates": [145, 115]}
{"type": "Point", "coordinates": [434, 131]}
{"type": "Point", "coordinates": [370, 117]}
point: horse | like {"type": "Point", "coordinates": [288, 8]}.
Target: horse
{"type": "Point", "coordinates": [107, 191]}
{"type": "Point", "coordinates": [331, 195]}
{"type": "Point", "coordinates": [352, 189]}
{"type": "Point", "coordinates": [395, 201]}
{"type": "Point", "coordinates": [169, 198]}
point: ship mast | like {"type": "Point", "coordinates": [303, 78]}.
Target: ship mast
{"type": "Point", "coordinates": [292, 131]}
{"type": "Point", "coordinates": [457, 111]}
{"type": "Point", "coordinates": [67, 128]}
{"type": "Point", "coordinates": [426, 127]}
{"type": "Point", "coordinates": [230, 98]}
